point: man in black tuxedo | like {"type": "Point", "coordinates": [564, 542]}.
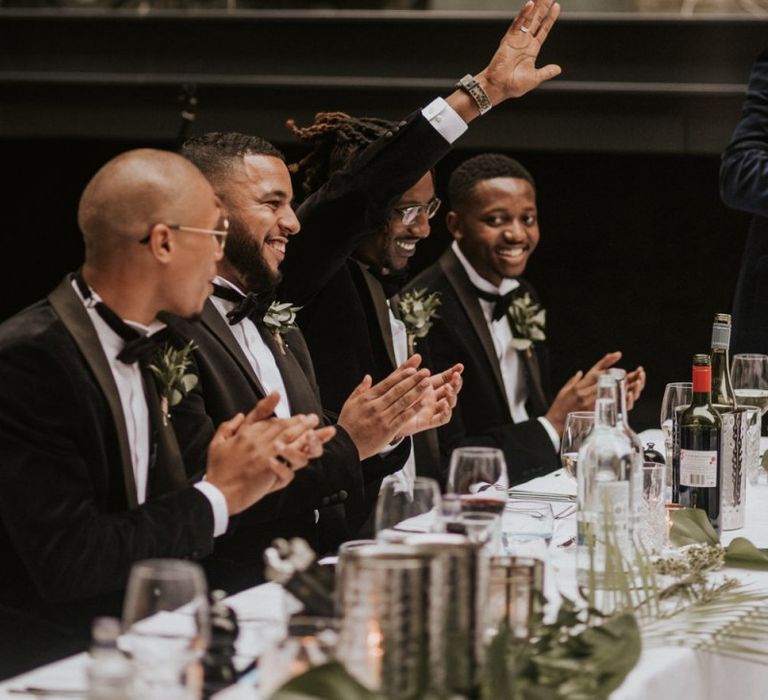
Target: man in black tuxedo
{"type": "Point", "coordinates": [369, 205]}
{"type": "Point", "coordinates": [490, 320]}
{"type": "Point", "coordinates": [241, 358]}
{"type": "Point", "coordinates": [744, 186]}
{"type": "Point", "coordinates": [92, 479]}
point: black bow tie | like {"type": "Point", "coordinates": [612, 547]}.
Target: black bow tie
{"type": "Point", "coordinates": [500, 302]}
{"type": "Point", "coordinates": [251, 305]}
{"type": "Point", "coordinates": [392, 282]}
{"type": "Point", "coordinates": [138, 347]}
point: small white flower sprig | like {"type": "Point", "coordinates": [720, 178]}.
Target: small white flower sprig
{"type": "Point", "coordinates": [418, 311]}
{"type": "Point", "coordinates": [279, 319]}
{"type": "Point", "coordinates": [170, 367]}
{"type": "Point", "coordinates": [528, 320]}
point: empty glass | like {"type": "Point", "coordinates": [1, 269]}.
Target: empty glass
{"type": "Point", "coordinates": [652, 522]}
{"type": "Point", "coordinates": [677, 397]}
{"type": "Point", "coordinates": [402, 509]}
{"type": "Point", "coordinates": [578, 425]}
{"type": "Point", "coordinates": [166, 624]}
{"type": "Point", "coordinates": [523, 521]}
{"type": "Point", "coordinates": [749, 373]}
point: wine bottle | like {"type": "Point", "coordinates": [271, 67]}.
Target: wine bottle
{"type": "Point", "coordinates": [700, 446]}
{"type": "Point", "coordinates": [722, 386]}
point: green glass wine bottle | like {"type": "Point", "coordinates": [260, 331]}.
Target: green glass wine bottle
{"type": "Point", "coordinates": [700, 425]}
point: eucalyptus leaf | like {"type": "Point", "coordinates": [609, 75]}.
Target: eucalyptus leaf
{"type": "Point", "coordinates": [189, 381]}
{"type": "Point", "coordinates": [330, 681]}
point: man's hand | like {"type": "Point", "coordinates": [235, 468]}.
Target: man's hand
{"type": "Point", "coordinates": [635, 386]}
{"type": "Point", "coordinates": [512, 71]}
{"type": "Point", "coordinates": [579, 392]}
{"type": "Point", "coordinates": [374, 415]}
{"type": "Point", "coordinates": [247, 458]}
{"type": "Point", "coordinates": [437, 405]}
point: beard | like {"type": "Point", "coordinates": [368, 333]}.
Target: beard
{"type": "Point", "coordinates": [244, 254]}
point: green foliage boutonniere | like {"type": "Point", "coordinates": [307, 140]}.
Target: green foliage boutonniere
{"type": "Point", "coordinates": [528, 320]}
{"type": "Point", "coordinates": [417, 310]}
{"type": "Point", "coordinates": [279, 319]}
{"type": "Point", "coordinates": [170, 368]}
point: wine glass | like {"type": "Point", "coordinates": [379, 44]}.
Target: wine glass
{"type": "Point", "coordinates": [749, 374]}
{"type": "Point", "coordinates": [403, 508]}
{"type": "Point", "coordinates": [478, 479]}
{"type": "Point", "coordinates": [166, 624]}
{"type": "Point", "coordinates": [578, 425]}
{"type": "Point", "coordinates": [676, 395]}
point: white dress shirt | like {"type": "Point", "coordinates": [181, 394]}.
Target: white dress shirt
{"type": "Point", "coordinates": [130, 389]}
{"type": "Point", "coordinates": [257, 352]}
{"type": "Point", "coordinates": [512, 373]}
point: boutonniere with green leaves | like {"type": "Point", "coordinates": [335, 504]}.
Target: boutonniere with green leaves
{"type": "Point", "coordinates": [528, 320]}
{"type": "Point", "coordinates": [279, 319]}
{"type": "Point", "coordinates": [170, 367]}
{"type": "Point", "coordinates": [417, 311]}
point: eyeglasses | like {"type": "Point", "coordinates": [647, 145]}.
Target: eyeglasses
{"type": "Point", "coordinates": [218, 234]}
{"type": "Point", "coordinates": [411, 213]}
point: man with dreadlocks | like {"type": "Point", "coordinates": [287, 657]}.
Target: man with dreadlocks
{"type": "Point", "coordinates": [369, 205]}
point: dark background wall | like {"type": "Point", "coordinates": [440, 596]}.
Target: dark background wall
{"type": "Point", "coordinates": [637, 250]}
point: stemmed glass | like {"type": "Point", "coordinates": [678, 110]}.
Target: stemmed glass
{"type": "Point", "coordinates": [676, 395]}
{"type": "Point", "coordinates": [404, 508]}
{"type": "Point", "coordinates": [749, 374]}
{"type": "Point", "coordinates": [478, 478]}
{"type": "Point", "coordinates": [166, 624]}
{"type": "Point", "coordinates": [578, 425]}
{"type": "Point", "coordinates": [477, 483]}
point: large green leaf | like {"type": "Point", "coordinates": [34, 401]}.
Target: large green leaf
{"type": "Point", "coordinates": [691, 526]}
{"type": "Point", "coordinates": [743, 554]}
{"type": "Point", "coordinates": [330, 681]}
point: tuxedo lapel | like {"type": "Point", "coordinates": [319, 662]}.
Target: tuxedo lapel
{"type": "Point", "coordinates": [301, 397]}
{"type": "Point", "coordinates": [536, 396]}
{"type": "Point", "coordinates": [382, 311]}
{"type": "Point", "coordinates": [74, 316]}
{"type": "Point", "coordinates": [216, 324]}
{"type": "Point", "coordinates": [458, 279]}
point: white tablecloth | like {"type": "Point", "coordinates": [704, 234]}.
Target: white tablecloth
{"type": "Point", "coordinates": [662, 674]}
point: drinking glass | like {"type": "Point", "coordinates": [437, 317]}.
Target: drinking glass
{"type": "Point", "coordinates": [523, 521]}
{"type": "Point", "coordinates": [677, 396]}
{"type": "Point", "coordinates": [478, 478]}
{"type": "Point", "coordinates": [578, 425]}
{"type": "Point", "coordinates": [652, 521]}
{"type": "Point", "coordinates": [166, 624]}
{"type": "Point", "coordinates": [479, 527]}
{"type": "Point", "coordinates": [403, 508]}
{"type": "Point", "coordinates": [749, 374]}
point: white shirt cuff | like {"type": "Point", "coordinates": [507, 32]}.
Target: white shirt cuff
{"type": "Point", "coordinates": [551, 432]}
{"type": "Point", "coordinates": [391, 446]}
{"type": "Point", "coordinates": [218, 504]}
{"type": "Point", "coordinates": [444, 119]}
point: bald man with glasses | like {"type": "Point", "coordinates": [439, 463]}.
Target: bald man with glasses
{"type": "Point", "coordinates": [91, 474]}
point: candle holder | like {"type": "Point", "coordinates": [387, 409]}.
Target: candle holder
{"type": "Point", "coordinates": [457, 589]}
{"type": "Point", "coordinates": [515, 594]}
{"type": "Point", "coordinates": [384, 636]}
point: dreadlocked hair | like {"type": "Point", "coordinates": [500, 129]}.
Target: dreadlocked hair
{"type": "Point", "coordinates": [335, 138]}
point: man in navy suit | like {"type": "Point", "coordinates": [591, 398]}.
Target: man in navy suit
{"type": "Point", "coordinates": [744, 186]}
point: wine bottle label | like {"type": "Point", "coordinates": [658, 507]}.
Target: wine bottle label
{"type": "Point", "coordinates": [721, 336]}
{"type": "Point", "coordinates": [698, 468]}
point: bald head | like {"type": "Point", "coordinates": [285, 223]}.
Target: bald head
{"type": "Point", "coordinates": [134, 191]}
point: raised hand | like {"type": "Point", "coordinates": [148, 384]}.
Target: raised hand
{"type": "Point", "coordinates": [512, 70]}
{"type": "Point", "coordinates": [635, 386]}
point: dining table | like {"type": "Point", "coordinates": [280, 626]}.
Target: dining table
{"type": "Point", "coordinates": [662, 673]}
